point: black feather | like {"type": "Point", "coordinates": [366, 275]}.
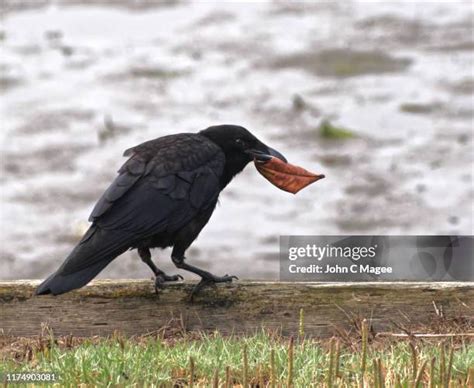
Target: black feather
{"type": "Point", "coordinates": [165, 184]}
{"type": "Point", "coordinates": [97, 249]}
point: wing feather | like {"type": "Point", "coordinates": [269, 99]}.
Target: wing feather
{"type": "Point", "coordinates": [163, 185]}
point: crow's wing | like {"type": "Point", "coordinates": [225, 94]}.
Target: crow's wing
{"type": "Point", "coordinates": [161, 161]}
{"type": "Point", "coordinates": [164, 184]}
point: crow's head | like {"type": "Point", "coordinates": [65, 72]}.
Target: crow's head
{"type": "Point", "coordinates": [241, 147]}
{"type": "Point", "coordinates": [239, 144]}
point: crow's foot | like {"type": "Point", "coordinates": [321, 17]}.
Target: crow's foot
{"type": "Point", "coordinates": [211, 282]}
{"type": "Point", "coordinates": [161, 279]}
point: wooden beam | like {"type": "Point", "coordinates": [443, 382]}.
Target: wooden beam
{"type": "Point", "coordinates": [132, 307]}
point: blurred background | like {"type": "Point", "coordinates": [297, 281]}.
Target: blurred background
{"type": "Point", "coordinates": [378, 96]}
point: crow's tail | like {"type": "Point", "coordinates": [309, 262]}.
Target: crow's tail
{"type": "Point", "coordinates": [94, 252]}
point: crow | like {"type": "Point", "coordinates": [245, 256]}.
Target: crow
{"type": "Point", "coordinates": [163, 196]}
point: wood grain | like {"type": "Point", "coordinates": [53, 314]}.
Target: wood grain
{"type": "Point", "coordinates": [132, 307]}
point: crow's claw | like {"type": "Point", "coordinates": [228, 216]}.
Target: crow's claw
{"type": "Point", "coordinates": [211, 282]}
{"type": "Point", "coordinates": [172, 278]}
{"type": "Point", "coordinates": [161, 279]}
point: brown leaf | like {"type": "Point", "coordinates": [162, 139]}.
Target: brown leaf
{"type": "Point", "coordinates": [286, 176]}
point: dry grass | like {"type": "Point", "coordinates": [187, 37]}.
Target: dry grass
{"type": "Point", "coordinates": [359, 357]}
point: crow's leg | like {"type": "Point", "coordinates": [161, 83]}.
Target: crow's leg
{"type": "Point", "coordinates": [184, 239]}
{"type": "Point", "coordinates": [207, 278]}
{"type": "Point", "coordinates": [160, 276]}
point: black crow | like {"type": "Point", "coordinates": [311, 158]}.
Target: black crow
{"type": "Point", "coordinates": [163, 196]}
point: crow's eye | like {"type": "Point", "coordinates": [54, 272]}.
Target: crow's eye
{"type": "Point", "coordinates": [240, 142]}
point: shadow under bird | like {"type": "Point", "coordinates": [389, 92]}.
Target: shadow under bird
{"type": "Point", "coordinates": [163, 196]}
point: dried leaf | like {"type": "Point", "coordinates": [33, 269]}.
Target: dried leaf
{"type": "Point", "coordinates": [286, 176]}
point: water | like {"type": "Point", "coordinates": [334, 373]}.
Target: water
{"type": "Point", "coordinates": [79, 84]}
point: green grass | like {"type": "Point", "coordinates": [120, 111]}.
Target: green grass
{"type": "Point", "coordinates": [330, 131]}
{"type": "Point", "coordinates": [156, 362]}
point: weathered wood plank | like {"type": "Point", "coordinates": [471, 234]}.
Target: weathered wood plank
{"type": "Point", "coordinates": [132, 307]}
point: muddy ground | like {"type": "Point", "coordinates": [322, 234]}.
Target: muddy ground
{"type": "Point", "coordinates": [79, 84]}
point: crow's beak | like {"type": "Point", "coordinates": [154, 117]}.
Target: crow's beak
{"type": "Point", "coordinates": [276, 154]}
{"type": "Point", "coordinates": [276, 169]}
{"type": "Point", "coordinates": [267, 154]}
